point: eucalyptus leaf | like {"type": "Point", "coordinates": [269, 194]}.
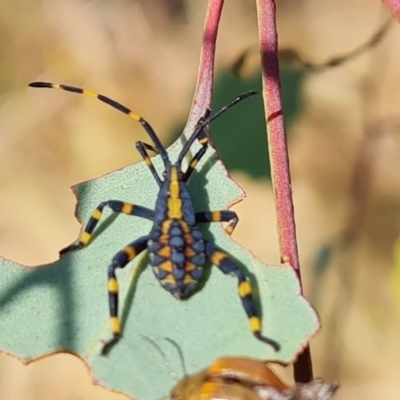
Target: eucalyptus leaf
{"type": "Point", "coordinates": [64, 306]}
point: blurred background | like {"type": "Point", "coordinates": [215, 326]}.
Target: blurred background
{"type": "Point", "coordinates": [343, 126]}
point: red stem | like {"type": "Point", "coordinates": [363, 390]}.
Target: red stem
{"type": "Point", "coordinates": [279, 160]}
{"type": "Point", "coordinates": [393, 6]}
{"type": "Point", "coordinates": [205, 77]}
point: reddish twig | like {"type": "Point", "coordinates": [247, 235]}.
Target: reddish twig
{"type": "Point", "coordinates": [280, 173]}
{"type": "Point", "coordinates": [393, 6]}
{"type": "Point", "coordinates": [205, 77]}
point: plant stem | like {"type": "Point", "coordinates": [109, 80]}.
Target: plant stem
{"type": "Point", "coordinates": [393, 6]}
{"type": "Point", "coordinates": [205, 77]}
{"type": "Point", "coordinates": [280, 173]}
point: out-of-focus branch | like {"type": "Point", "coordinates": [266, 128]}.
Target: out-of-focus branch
{"type": "Point", "coordinates": [279, 159]}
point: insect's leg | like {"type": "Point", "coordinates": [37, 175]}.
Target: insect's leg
{"type": "Point", "coordinates": [142, 149]}
{"type": "Point", "coordinates": [115, 205]}
{"type": "Point", "coordinates": [195, 160]}
{"type": "Point", "coordinates": [219, 216]}
{"type": "Point", "coordinates": [148, 146]}
{"type": "Point", "coordinates": [228, 266]}
{"type": "Point", "coordinates": [120, 260]}
{"type": "Point", "coordinates": [205, 132]}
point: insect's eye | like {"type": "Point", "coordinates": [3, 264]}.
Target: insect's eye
{"type": "Point", "coordinates": [231, 380]}
{"type": "Point", "coordinates": [164, 174]}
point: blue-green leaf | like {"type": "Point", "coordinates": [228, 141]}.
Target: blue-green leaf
{"type": "Point", "coordinates": [64, 306]}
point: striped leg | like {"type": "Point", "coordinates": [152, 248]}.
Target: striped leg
{"type": "Point", "coordinates": [195, 160]}
{"type": "Point", "coordinates": [219, 216]}
{"type": "Point", "coordinates": [115, 205]}
{"type": "Point", "coordinates": [142, 149]}
{"type": "Point", "coordinates": [228, 266]}
{"type": "Point", "coordinates": [205, 132]}
{"type": "Point", "coordinates": [147, 146]}
{"type": "Point", "coordinates": [120, 260]}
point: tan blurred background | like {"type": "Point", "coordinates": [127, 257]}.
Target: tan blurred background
{"type": "Point", "coordinates": [344, 147]}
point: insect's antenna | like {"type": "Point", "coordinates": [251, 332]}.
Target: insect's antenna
{"type": "Point", "coordinates": [207, 120]}
{"type": "Point", "coordinates": [117, 106]}
{"type": "Point", "coordinates": [179, 350]}
{"type": "Point", "coordinates": [172, 374]}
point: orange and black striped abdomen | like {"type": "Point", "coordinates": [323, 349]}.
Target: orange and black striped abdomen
{"type": "Point", "coordinates": [176, 246]}
{"type": "Point", "coordinates": [177, 255]}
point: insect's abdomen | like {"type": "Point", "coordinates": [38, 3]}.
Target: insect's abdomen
{"type": "Point", "coordinates": [177, 255]}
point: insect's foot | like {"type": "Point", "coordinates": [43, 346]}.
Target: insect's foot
{"type": "Point", "coordinates": [72, 247]}
{"type": "Point", "coordinates": [275, 345]}
{"type": "Point", "coordinates": [109, 344]}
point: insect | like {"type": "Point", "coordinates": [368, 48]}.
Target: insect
{"type": "Point", "coordinates": [177, 250]}
{"type": "Point", "coordinates": [240, 378]}
{"type": "Point", "coordinates": [243, 378]}
{"type": "Point", "coordinates": [226, 378]}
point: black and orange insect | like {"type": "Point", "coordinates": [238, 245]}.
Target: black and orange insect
{"type": "Point", "coordinates": [244, 378]}
{"type": "Point", "coordinates": [177, 250]}
{"type": "Point", "coordinates": [240, 378]}
{"type": "Point", "coordinates": [231, 378]}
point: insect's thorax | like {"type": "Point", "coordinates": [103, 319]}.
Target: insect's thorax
{"type": "Point", "coordinates": [176, 246]}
